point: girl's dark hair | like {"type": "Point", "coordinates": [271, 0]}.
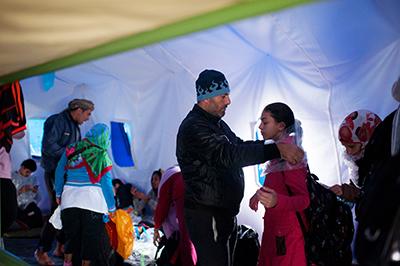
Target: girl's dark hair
{"type": "Point", "coordinates": [116, 181]}
{"type": "Point", "coordinates": [157, 172]}
{"type": "Point", "coordinates": [281, 113]}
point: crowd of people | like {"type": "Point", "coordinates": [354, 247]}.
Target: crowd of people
{"type": "Point", "coordinates": [195, 203]}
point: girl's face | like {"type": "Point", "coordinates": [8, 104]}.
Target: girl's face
{"type": "Point", "coordinates": [269, 127]}
{"type": "Point", "coordinates": [352, 149]}
{"type": "Point", "coordinates": [155, 181]}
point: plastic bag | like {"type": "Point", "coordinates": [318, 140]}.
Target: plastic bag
{"type": "Point", "coordinates": [55, 218]}
{"type": "Point", "coordinates": [120, 231]}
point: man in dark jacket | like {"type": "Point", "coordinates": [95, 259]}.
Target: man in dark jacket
{"type": "Point", "coordinates": [378, 209]}
{"type": "Point", "coordinates": [59, 131]}
{"type": "Point", "coordinates": [211, 158]}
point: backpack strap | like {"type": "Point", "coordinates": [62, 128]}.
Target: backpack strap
{"type": "Point", "coordinates": [298, 215]}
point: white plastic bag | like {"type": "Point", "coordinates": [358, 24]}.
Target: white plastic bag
{"type": "Point", "coordinates": [55, 219]}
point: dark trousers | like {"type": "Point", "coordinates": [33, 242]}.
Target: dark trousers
{"type": "Point", "coordinates": [8, 204]}
{"type": "Point", "coordinates": [31, 215]}
{"type": "Point", "coordinates": [49, 233]}
{"type": "Point", "coordinates": [213, 235]}
{"type": "Point", "coordinates": [84, 232]}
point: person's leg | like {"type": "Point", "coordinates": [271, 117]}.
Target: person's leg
{"type": "Point", "coordinates": [232, 241]}
{"type": "Point", "coordinates": [8, 204]}
{"type": "Point", "coordinates": [49, 178]}
{"type": "Point", "coordinates": [71, 220]}
{"type": "Point", "coordinates": [33, 215]}
{"type": "Point", "coordinates": [210, 234]}
{"type": "Point", "coordinates": [48, 233]}
{"type": "Point", "coordinates": [22, 219]}
{"type": "Point", "coordinates": [92, 233]}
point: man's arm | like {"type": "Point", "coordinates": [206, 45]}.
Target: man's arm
{"type": "Point", "coordinates": [290, 152]}
{"type": "Point", "coordinates": [215, 148]}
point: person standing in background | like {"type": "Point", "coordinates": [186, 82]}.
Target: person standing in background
{"type": "Point", "coordinates": [170, 219]}
{"type": "Point", "coordinates": [12, 125]}
{"type": "Point", "coordinates": [60, 130]}
{"type": "Point", "coordinates": [85, 193]}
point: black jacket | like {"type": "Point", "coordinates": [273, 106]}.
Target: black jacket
{"type": "Point", "coordinates": [211, 158]}
{"type": "Point", "coordinates": [377, 151]}
{"type": "Point", "coordinates": [59, 131]}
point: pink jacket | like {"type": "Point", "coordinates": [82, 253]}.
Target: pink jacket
{"type": "Point", "coordinates": [169, 214]}
{"type": "Point", "coordinates": [281, 226]}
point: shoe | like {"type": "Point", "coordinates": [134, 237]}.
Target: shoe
{"type": "Point", "coordinates": [42, 258]}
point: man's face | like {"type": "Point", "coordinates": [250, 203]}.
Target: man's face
{"type": "Point", "coordinates": [82, 116]}
{"type": "Point", "coordinates": [217, 105]}
{"type": "Point", "coordinates": [25, 172]}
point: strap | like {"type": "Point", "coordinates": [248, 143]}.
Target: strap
{"type": "Point", "coordinates": [302, 225]}
{"type": "Point", "coordinates": [298, 215]}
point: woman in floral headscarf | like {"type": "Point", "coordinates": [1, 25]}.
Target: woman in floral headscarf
{"type": "Point", "coordinates": [354, 133]}
{"type": "Point", "coordinates": [84, 191]}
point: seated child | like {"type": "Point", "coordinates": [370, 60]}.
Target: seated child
{"type": "Point", "coordinates": [123, 196]}
{"type": "Point", "coordinates": [145, 204]}
{"type": "Point", "coordinates": [28, 214]}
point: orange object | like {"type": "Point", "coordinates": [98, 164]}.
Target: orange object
{"type": "Point", "coordinates": [121, 233]}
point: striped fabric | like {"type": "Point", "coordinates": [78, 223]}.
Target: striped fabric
{"type": "Point", "coordinates": [12, 113]}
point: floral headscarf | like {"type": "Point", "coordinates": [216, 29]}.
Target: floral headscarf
{"type": "Point", "coordinates": [91, 153]}
{"type": "Point", "coordinates": [358, 127]}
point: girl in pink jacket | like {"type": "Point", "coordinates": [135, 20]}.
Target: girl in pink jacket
{"type": "Point", "coordinates": [284, 193]}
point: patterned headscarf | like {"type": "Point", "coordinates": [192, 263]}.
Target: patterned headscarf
{"type": "Point", "coordinates": [91, 152]}
{"type": "Point", "coordinates": [358, 127]}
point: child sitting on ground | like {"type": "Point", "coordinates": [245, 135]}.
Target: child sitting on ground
{"type": "Point", "coordinates": [28, 214]}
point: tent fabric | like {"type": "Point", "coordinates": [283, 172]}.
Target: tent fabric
{"type": "Point", "coordinates": [324, 60]}
{"type": "Point", "coordinates": [39, 37]}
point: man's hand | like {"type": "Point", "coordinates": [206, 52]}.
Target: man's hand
{"type": "Point", "coordinates": [267, 197]}
{"type": "Point", "coordinates": [290, 153]}
{"type": "Point", "coordinates": [337, 189]}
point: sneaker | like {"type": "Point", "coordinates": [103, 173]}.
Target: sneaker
{"type": "Point", "coordinates": [42, 258]}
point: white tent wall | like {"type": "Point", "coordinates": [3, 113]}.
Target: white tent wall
{"type": "Point", "coordinates": [324, 60]}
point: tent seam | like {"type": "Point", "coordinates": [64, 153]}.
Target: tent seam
{"type": "Point", "coordinates": [311, 61]}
